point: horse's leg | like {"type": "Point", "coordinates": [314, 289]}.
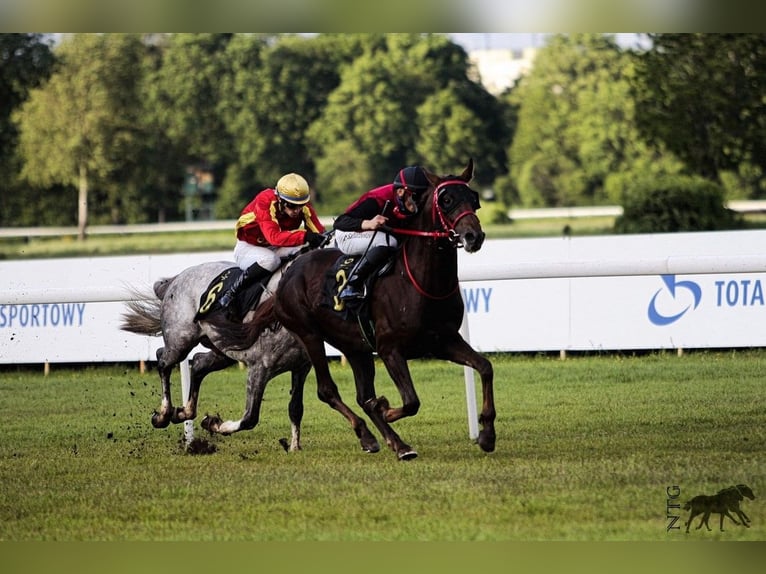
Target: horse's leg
{"type": "Point", "coordinates": [459, 351]}
{"type": "Point", "coordinates": [258, 376]}
{"type": "Point", "coordinates": [327, 391]}
{"type": "Point", "coordinates": [399, 371]}
{"type": "Point", "coordinates": [695, 511]}
{"type": "Point", "coordinates": [177, 348]}
{"type": "Point", "coordinates": [363, 367]}
{"type": "Point", "coordinates": [692, 514]}
{"type": "Point", "coordinates": [295, 408]}
{"type": "Point", "coordinates": [726, 513]}
{"type": "Point", "coordinates": [161, 418]}
{"type": "Point", "coordinates": [200, 366]}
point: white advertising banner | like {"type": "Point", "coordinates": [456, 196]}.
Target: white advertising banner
{"type": "Point", "coordinates": [80, 331]}
{"type": "Point", "coordinates": [576, 305]}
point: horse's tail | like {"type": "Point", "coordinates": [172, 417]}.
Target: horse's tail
{"type": "Point", "coordinates": [143, 315]}
{"type": "Point", "coordinates": [161, 287]}
{"type": "Point", "coordinates": [265, 317]}
{"type": "Point", "coordinates": [240, 336]}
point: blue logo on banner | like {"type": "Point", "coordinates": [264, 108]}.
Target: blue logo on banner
{"type": "Point", "coordinates": [670, 282]}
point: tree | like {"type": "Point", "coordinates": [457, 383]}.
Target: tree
{"type": "Point", "coordinates": [373, 109]}
{"type": "Point", "coordinates": [396, 104]}
{"type": "Point", "coordinates": [275, 90]}
{"type": "Point", "coordinates": [449, 132]}
{"type": "Point", "coordinates": [26, 60]}
{"type": "Point", "coordinates": [576, 123]}
{"type": "Point", "coordinates": [76, 128]}
{"type": "Point", "coordinates": [676, 203]}
{"type": "Point", "coordinates": [452, 129]}
{"type": "Point", "coordinates": [186, 95]}
{"type": "Point", "coordinates": [701, 95]}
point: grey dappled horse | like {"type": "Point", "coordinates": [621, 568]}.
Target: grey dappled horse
{"type": "Point", "coordinates": [172, 314]}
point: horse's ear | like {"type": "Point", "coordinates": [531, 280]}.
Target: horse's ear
{"type": "Point", "coordinates": [467, 174]}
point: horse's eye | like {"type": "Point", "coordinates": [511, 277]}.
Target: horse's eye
{"type": "Point", "coordinates": [447, 200]}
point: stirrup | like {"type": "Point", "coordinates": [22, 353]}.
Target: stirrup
{"type": "Point", "coordinates": [350, 292]}
{"type": "Point", "coordinates": [226, 299]}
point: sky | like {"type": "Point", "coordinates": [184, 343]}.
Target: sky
{"type": "Point", "coordinates": [517, 41]}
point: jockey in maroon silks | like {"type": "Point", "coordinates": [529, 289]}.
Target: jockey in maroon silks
{"type": "Point", "coordinates": [269, 228]}
{"type": "Point", "coordinates": [358, 230]}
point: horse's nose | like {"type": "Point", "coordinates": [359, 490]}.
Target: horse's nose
{"type": "Point", "coordinates": [473, 241]}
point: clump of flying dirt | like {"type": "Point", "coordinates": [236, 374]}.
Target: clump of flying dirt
{"type": "Point", "coordinates": [198, 446]}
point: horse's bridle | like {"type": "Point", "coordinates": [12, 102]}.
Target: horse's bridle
{"type": "Point", "coordinates": [448, 232]}
{"type": "Point", "coordinates": [447, 228]}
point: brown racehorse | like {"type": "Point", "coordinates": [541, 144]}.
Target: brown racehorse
{"type": "Point", "coordinates": [416, 310]}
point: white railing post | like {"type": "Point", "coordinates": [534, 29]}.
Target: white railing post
{"type": "Point", "coordinates": [470, 387]}
{"type": "Point", "coordinates": [185, 389]}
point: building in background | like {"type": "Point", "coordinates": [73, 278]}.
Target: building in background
{"type": "Point", "coordinates": [499, 69]}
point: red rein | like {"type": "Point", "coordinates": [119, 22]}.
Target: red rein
{"type": "Point", "coordinates": [449, 229]}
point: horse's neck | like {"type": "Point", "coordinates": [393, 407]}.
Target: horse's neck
{"type": "Point", "coordinates": [432, 263]}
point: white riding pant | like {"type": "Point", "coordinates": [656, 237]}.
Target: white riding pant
{"type": "Point", "coordinates": [357, 242]}
{"type": "Point", "coordinates": [268, 257]}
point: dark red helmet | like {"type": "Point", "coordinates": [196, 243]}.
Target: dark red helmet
{"type": "Point", "coordinates": [413, 178]}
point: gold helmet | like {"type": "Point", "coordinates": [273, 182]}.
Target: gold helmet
{"type": "Point", "coordinates": [292, 188]}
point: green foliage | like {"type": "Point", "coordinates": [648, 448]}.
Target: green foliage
{"type": "Point", "coordinates": [187, 92]}
{"type": "Point", "coordinates": [373, 110]}
{"type": "Point", "coordinates": [344, 174]}
{"type": "Point", "coordinates": [407, 99]}
{"type": "Point", "coordinates": [646, 167]}
{"type": "Point", "coordinates": [273, 94]}
{"type": "Point", "coordinates": [575, 124]}
{"type": "Point", "coordinates": [702, 96]}
{"type": "Point", "coordinates": [493, 213]}
{"type": "Point", "coordinates": [678, 203]}
{"type": "Point", "coordinates": [586, 450]}
{"type": "Point", "coordinates": [348, 110]}
{"type": "Point", "coordinates": [79, 127]}
{"type": "Point", "coordinates": [454, 126]}
{"type": "Point", "coordinates": [26, 60]}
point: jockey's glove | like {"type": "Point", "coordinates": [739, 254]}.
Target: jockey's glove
{"type": "Point", "coordinates": [313, 239]}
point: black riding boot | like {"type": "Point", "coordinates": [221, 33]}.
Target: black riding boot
{"type": "Point", "coordinates": [369, 262]}
{"type": "Point", "coordinates": [249, 276]}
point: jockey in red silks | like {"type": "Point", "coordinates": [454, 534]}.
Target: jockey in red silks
{"type": "Point", "coordinates": [269, 228]}
{"type": "Point", "coordinates": [358, 229]}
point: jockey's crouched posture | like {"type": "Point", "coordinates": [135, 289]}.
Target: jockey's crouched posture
{"type": "Point", "coordinates": [269, 228]}
{"type": "Point", "coordinates": [358, 229]}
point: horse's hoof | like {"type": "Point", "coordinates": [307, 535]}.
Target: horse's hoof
{"type": "Point", "coordinates": [407, 454]}
{"type": "Point", "coordinates": [487, 441]}
{"type": "Point", "coordinates": [211, 423]}
{"type": "Point", "coordinates": [158, 422]}
{"type": "Point", "coordinates": [371, 448]}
